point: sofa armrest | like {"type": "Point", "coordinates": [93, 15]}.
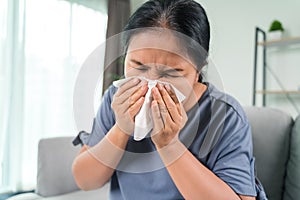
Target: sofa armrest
{"type": "Point", "coordinates": [55, 158]}
{"type": "Point", "coordinates": [271, 130]}
{"type": "Point", "coordinates": [292, 181]}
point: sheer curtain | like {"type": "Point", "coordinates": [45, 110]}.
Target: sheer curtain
{"type": "Point", "coordinates": [12, 81]}
{"type": "Point", "coordinates": [3, 80]}
{"type": "Point", "coordinates": [42, 46]}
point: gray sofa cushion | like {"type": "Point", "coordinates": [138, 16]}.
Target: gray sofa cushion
{"type": "Point", "coordinates": [26, 196]}
{"type": "Point", "coordinates": [271, 134]}
{"type": "Point", "coordinates": [55, 158]}
{"type": "Point", "coordinates": [292, 182]}
{"type": "Point", "coordinates": [99, 194]}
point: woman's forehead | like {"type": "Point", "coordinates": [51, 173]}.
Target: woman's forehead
{"type": "Point", "coordinates": [160, 41]}
{"type": "Point", "coordinates": [150, 56]}
{"type": "Point", "coordinates": [157, 47]}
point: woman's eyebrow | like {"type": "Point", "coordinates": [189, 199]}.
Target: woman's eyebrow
{"type": "Point", "coordinates": [165, 71]}
{"type": "Point", "coordinates": [137, 62]}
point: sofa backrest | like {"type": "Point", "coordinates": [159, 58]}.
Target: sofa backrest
{"type": "Point", "coordinates": [271, 130]}
{"type": "Point", "coordinates": [55, 158]}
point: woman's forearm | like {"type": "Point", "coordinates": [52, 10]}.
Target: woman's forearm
{"type": "Point", "coordinates": [192, 178]}
{"type": "Point", "coordinates": [93, 167]}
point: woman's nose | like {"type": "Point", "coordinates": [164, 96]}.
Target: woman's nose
{"type": "Point", "coordinates": [152, 75]}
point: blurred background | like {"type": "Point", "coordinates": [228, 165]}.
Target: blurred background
{"type": "Point", "coordinates": [43, 44]}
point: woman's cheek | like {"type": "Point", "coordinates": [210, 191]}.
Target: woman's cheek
{"type": "Point", "coordinates": [182, 85]}
{"type": "Point", "coordinates": [186, 91]}
{"type": "Point", "coordinates": [129, 71]}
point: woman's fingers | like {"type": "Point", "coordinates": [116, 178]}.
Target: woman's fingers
{"type": "Point", "coordinates": [120, 105]}
{"type": "Point", "coordinates": [125, 97]}
{"type": "Point", "coordinates": [184, 116]}
{"type": "Point", "coordinates": [135, 108]}
{"type": "Point", "coordinates": [128, 85]}
{"type": "Point", "coordinates": [161, 104]}
{"type": "Point", "coordinates": [136, 100]}
{"type": "Point", "coordinates": [140, 92]}
{"type": "Point", "coordinates": [120, 101]}
{"type": "Point", "coordinates": [174, 98]}
{"type": "Point", "coordinates": [170, 104]}
{"type": "Point", "coordinates": [157, 118]}
{"type": "Point", "coordinates": [167, 119]}
{"type": "Point", "coordinates": [132, 99]}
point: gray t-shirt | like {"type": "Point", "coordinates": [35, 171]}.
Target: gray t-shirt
{"type": "Point", "coordinates": [217, 133]}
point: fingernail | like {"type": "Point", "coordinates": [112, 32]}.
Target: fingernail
{"type": "Point", "coordinates": [167, 86]}
{"type": "Point", "coordinates": [160, 86]}
{"type": "Point", "coordinates": [144, 82]}
{"type": "Point", "coordinates": [154, 103]}
{"type": "Point", "coordinates": [144, 86]}
{"type": "Point", "coordinates": [141, 99]}
{"type": "Point", "coordinates": [136, 80]}
{"type": "Point", "coordinates": [154, 91]}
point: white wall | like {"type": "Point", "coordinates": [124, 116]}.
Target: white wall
{"type": "Point", "coordinates": [232, 45]}
{"type": "Point", "coordinates": [233, 25]}
{"type": "Point", "coordinates": [136, 3]}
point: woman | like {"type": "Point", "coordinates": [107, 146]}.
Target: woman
{"type": "Point", "coordinates": [203, 143]}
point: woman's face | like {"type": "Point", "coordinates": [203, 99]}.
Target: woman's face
{"type": "Point", "coordinates": [157, 56]}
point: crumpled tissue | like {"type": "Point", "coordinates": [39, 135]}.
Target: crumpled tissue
{"type": "Point", "coordinates": [143, 120]}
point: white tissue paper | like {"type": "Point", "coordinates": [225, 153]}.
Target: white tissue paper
{"type": "Point", "coordinates": [143, 120]}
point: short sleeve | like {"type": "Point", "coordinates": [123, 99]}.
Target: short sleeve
{"type": "Point", "coordinates": [103, 121]}
{"type": "Point", "coordinates": [235, 163]}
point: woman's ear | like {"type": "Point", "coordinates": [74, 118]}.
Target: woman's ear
{"type": "Point", "coordinates": [197, 76]}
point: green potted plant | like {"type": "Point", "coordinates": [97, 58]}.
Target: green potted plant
{"type": "Point", "coordinates": [275, 31]}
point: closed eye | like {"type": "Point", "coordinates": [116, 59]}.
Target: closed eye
{"type": "Point", "coordinates": [171, 73]}
{"type": "Point", "coordinates": [168, 75]}
{"type": "Point", "coordinates": [139, 66]}
{"type": "Point", "coordinates": [142, 68]}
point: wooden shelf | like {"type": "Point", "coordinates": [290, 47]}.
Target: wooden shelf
{"type": "Point", "coordinates": [283, 41]}
{"type": "Point", "coordinates": [278, 92]}
{"type": "Point", "coordinates": [263, 91]}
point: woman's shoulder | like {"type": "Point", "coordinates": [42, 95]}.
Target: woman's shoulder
{"type": "Point", "coordinates": [109, 93]}
{"type": "Point", "coordinates": [105, 104]}
{"type": "Point", "coordinates": [221, 99]}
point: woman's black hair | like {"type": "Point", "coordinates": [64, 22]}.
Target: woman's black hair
{"type": "Point", "coordinates": [184, 16]}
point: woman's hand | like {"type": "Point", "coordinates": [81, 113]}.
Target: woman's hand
{"type": "Point", "coordinates": [127, 102]}
{"type": "Point", "coordinates": [168, 115]}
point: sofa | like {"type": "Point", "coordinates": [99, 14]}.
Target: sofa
{"type": "Point", "coordinates": [276, 142]}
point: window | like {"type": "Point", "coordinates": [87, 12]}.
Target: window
{"type": "Point", "coordinates": [57, 38]}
